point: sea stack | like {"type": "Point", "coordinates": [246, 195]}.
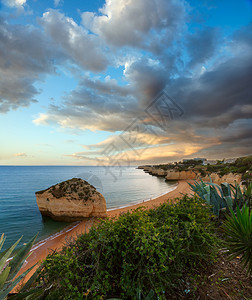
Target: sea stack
{"type": "Point", "coordinates": [71, 200]}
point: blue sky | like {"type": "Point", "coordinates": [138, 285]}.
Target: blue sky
{"type": "Point", "coordinates": [75, 76]}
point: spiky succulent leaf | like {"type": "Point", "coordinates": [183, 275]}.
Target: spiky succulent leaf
{"type": "Point", "coordinates": [4, 276]}
{"type": "Point", "coordinates": [10, 285]}
{"type": "Point", "coordinates": [2, 239]}
{"type": "Point", "coordinates": [10, 269]}
{"type": "Point", "coordinates": [28, 284]}
{"type": "Point", "coordinates": [229, 202]}
{"type": "Point", "coordinates": [7, 255]}
{"type": "Point", "coordinates": [20, 257]}
{"type": "Point", "coordinates": [239, 235]}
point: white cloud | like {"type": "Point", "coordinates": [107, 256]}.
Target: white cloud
{"type": "Point", "coordinates": [136, 22]}
{"type": "Point", "coordinates": [14, 3]}
{"type": "Point", "coordinates": [83, 49]}
{"type": "Point", "coordinates": [145, 37]}
{"type": "Point", "coordinates": [23, 62]}
{"type": "Point", "coordinates": [42, 119]}
{"type": "Point", "coordinates": [21, 154]}
{"type": "Point", "coordinates": [56, 2]}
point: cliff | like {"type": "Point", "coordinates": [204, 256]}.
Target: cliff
{"type": "Point", "coordinates": [216, 178]}
{"type": "Point", "coordinates": [71, 200]}
{"type": "Point", "coordinates": [229, 178]}
{"type": "Point", "coordinates": [192, 175]}
{"type": "Point", "coordinates": [158, 172]}
{"type": "Point", "coordinates": [180, 175]}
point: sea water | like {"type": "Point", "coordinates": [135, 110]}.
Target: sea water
{"type": "Point", "coordinates": [19, 213]}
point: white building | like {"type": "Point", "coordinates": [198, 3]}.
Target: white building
{"type": "Point", "coordinates": [210, 162]}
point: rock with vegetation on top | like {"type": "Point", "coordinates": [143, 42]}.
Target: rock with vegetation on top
{"type": "Point", "coordinates": [71, 200]}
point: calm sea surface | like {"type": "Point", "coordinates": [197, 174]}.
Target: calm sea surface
{"type": "Point", "coordinates": [19, 214]}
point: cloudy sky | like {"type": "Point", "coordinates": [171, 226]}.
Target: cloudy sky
{"type": "Point", "coordinates": [124, 81]}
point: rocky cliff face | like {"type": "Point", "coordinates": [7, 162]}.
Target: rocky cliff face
{"type": "Point", "coordinates": [229, 178]}
{"type": "Point", "coordinates": [71, 200]}
{"type": "Point", "coordinates": [157, 172]}
{"type": "Point", "coordinates": [187, 175]}
{"type": "Point", "coordinates": [182, 175]}
{"type": "Point", "coordinates": [147, 169]}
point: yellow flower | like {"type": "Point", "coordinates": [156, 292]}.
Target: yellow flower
{"type": "Point", "coordinates": [86, 294]}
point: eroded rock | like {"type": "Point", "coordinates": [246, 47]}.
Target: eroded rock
{"type": "Point", "coordinates": [71, 200]}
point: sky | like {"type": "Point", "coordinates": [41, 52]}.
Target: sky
{"type": "Point", "coordinates": [124, 82]}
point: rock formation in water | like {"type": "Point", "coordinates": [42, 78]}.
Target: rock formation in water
{"type": "Point", "coordinates": [71, 200]}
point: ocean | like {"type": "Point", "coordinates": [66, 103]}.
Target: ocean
{"type": "Point", "coordinates": [20, 216]}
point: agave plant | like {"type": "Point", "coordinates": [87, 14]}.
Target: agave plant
{"type": "Point", "coordinates": [224, 196]}
{"type": "Point", "coordinates": [239, 235]}
{"type": "Point", "coordinates": [209, 192]}
{"type": "Point", "coordinates": [241, 198]}
{"type": "Point", "coordinates": [9, 267]}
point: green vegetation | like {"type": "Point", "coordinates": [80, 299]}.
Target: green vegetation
{"type": "Point", "coordinates": [165, 166]}
{"type": "Point", "coordinates": [142, 253]}
{"type": "Point", "coordinates": [226, 195]}
{"type": "Point", "coordinates": [9, 268]}
{"type": "Point", "coordinates": [74, 185]}
{"type": "Point", "coordinates": [239, 235]}
{"type": "Point", "coordinates": [242, 165]}
{"type": "Point", "coordinates": [162, 253]}
{"type": "Point", "coordinates": [238, 225]}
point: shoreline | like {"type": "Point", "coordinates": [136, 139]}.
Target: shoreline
{"type": "Point", "coordinates": [143, 201]}
{"type": "Point", "coordinates": [55, 242]}
{"type": "Point", "coordinates": [74, 224]}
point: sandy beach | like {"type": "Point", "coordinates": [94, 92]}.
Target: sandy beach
{"type": "Point", "coordinates": [56, 242]}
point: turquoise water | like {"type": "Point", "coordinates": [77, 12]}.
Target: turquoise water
{"type": "Point", "coordinates": [19, 214]}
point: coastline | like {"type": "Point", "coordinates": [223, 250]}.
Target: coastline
{"type": "Point", "coordinates": [55, 242]}
{"type": "Point", "coordinates": [143, 201]}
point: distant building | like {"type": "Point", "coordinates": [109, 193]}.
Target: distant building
{"type": "Point", "coordinates": [229, 161]}
{"type": "Point", "coordinates": [198, 158]}
{"type": "Point", "coordinates": [210, 162]}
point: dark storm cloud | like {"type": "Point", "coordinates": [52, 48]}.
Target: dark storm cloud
{"type": "Point", "coordinates": [217, 91]}
{"type": "Point", "coordinates": [28, 54]}
{"type": "Point", "coordinates": [238, 132]}
{"type": "Point", "coordinates": [148, 78]}
{"type": "Point", "coordinates": [24, 57]}
{"type": "Point", "coordinates": [212, 101]}
{"type": "Point", "coordinates": [244, 35]}
{"type": "Point", "coordinates": [109, 86]}
{"type": "Point", "coordinates": [150, 40]}
{"type": "Point", "coordinates": [202, 45]}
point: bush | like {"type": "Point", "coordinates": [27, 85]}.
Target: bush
{"type": "Point", "coordinates": [154, 250]}
{"type": "Point", "coordinates": [241, 165]}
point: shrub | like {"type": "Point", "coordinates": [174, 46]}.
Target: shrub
{"type": "Point", "coordinates": [239, 235]}
{"type": "Point", "coordinates": [146, 250]}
